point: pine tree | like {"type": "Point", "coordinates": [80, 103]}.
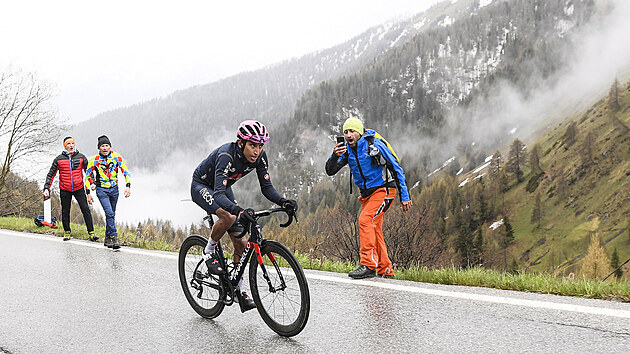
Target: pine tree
{"type": "Point", "coordinates": [516, 159]}
{"type": "Point", "coordinates": [596, 264]}
{"type": "Point", "coordinates": [464, 245]}
{"type": "Point", "coordinates": [496, 164]}
{"type": "Point", "coordinates": [478, 247]}
{"type": "Point", "coordinates": [534, 160]}
{"type": "Point", "coordinates": [504, 183]}
{"type": "Point", "coordinates": [570, 135]}
{"type": "Point", "coordinates": [537, 211]}
{"type": "Point", "coordinates": [509, 232]}
{"type": "Point", "coordinates": [484, 210]}
{"type": "Point", "coordinates": [587, 149]}
{"type": "Point", "coordinates": [613, 96]}
{"type": "Point", "coordinates": [614, 264]}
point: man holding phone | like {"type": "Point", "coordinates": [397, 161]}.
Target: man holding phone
{"type": "Point", "coordinates": [378, 191]}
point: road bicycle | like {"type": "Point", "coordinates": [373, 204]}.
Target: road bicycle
{"type": "Point", "coordinates": [276, 279]}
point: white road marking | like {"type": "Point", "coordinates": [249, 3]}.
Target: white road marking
{"type": "Point", "coordinates": [385, 285]}
{"type": "Point", "coordinates": [478, 297]}
{"type": "Point", "coordinates": [97, 244]}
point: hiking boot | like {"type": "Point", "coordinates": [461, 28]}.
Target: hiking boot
{"type": "Point", "coordinates": [386, 276]}
{"type": "Point", "coordinates": [245, 301]}
{"type": "Point", "coordinates": [115, 243]}
{"type": "Point", "coordinates": [109, 242]}
{"type": "Point", "coordinates": [213, 263]}
{"type": "Point", "coordinates": [362, 272]}
{"type": "Point", "coordinates": [66, 236]}
{"type": "Point", "coordinates": [92, 236]}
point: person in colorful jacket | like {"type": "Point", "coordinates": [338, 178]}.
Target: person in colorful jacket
{"type": "Point", "coordinates": [71, 164]}
{"type": "Point", "coordinates": [378, 189]}
{"type": "Point", "coordinates": [102, 176]}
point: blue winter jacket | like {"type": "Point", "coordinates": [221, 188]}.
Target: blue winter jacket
{"type": "Point", "coordinates": [367, 175]}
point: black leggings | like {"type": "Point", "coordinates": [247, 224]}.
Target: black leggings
{"type": "Point", "coordinates": [66, 201]}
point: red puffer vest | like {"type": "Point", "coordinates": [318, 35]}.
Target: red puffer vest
{"type": "Point", "coordinates": [70, 171]}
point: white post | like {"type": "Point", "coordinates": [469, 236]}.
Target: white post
{"type": "Point", "coordinates": [47, 210]}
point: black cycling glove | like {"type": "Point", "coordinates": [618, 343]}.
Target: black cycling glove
{"type": "Point", "coordinates": [289, 204]}
{"type": "Point", "coordinates": [245, 217]}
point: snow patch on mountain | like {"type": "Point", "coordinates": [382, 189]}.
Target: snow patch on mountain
{"type": "Point", "coordinates": [484, 3]}
{"type": "Point", "coordinates": [440, 168]}
{"type": "Point", "coordinates": [495, 225]}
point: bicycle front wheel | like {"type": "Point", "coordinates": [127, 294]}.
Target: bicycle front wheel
{"type": "Point", "coordinates": [279, 289]}
{"type": "Point", "coordinates": [204, 291]}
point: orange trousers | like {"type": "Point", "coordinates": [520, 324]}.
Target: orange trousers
{"type": "Point", "coordinates": [373, 249]}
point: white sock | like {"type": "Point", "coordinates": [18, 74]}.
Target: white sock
{"type": "Point", "coordinates": [211, 246]}
{"type": "Point", "coordinates": [240, 284]}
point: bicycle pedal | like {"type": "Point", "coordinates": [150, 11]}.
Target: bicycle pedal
{"type": "Point", "coordinates": [200, 275]}
{"type": "Point", "coordinates": [195, 284]}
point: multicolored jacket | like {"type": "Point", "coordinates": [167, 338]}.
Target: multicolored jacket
{"type": "Point", "coordinates": [103, 171]}
{"type": "Point", "coordinates": [70, 169]}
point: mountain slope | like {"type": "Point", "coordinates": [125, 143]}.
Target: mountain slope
{"type": "Point", "coordinates": [188, 119]}
{"type": "Point", "coordinates": [585, 189]}
{"type": "Point", "coordinates": [436, 88]}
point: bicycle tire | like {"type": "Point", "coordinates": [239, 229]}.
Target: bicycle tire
{"type": "Point", "coordinates": [204, 292]}
{"type": "Point", "coordinates": [286, 310]}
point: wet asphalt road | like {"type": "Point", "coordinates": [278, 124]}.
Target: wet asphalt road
{"type": "Point", "coordinates": [78, 296]}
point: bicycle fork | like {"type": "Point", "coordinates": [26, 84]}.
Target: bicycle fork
{"type": "Point", "coordinates": [272, 289]}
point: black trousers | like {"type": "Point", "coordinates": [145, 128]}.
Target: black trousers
{"type": "Point", "coordinates": [66, 202]}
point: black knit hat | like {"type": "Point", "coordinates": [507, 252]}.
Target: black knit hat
{"type": "Point", "coordinates": [103, 139]}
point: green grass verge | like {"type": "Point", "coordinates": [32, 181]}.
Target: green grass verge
{"type": "Point", "coordinates": [80, 232]}
{"type": "Point", "coordinates": [611, 289]}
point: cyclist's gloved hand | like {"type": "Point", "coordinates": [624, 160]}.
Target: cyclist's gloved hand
{"type": "Point", "coordinates": [245, 217]}
{"type": "Point", "coordinates": [289, 204]}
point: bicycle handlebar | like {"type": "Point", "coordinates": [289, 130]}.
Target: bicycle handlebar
{"type": "Point", "coordinates": [291, 213]}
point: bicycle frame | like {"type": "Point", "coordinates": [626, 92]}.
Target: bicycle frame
{"type": "Point", "coordinates": [252, 246]}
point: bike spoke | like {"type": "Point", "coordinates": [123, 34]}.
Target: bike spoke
{"type": "Point", "coordinates": [202, 289]}
{"type": "Point", "coordinates": [285, 309]}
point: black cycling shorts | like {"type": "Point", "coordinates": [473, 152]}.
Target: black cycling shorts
{"type": "Point", "coordinates": [202, 195]}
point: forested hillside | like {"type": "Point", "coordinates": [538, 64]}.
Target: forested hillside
{"type": "Point", "coordinates": [426, 97]}
{"type": "Point", "coordinates": [496, 180]}
{"type": "Point", "coordinates": [190, 119]}
{"type": "Point", "coordinates": [529, 207]}
{"type": "Point", "coordinates": [434, 86]}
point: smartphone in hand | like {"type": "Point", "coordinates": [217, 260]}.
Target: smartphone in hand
{"type": "Point", "coordinates": [341, 139]}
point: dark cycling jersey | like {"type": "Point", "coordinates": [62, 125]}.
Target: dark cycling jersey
{"type": "Point", "coordinates": [226, 165]}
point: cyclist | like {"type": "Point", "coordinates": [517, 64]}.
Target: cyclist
{"type": "Point", "coordinates": [211, 190]}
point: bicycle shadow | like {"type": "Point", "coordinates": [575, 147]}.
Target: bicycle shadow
{"type": "Point", "coordinates": [250, 334]}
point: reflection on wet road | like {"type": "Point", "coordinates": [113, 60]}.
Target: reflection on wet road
{"type": "Point", "coordinates": [81, 297]}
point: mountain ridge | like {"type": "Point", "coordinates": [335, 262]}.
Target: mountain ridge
{"type": "Point", "coordinates": [267, 94]}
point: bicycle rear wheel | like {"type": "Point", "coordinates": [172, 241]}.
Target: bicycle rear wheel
{"type": "Point", "coordinates": [203, 291]}
{"type": "Point", "coordinates": [284, 301]}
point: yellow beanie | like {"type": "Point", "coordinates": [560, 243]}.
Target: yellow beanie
{"type": "Point", "coordinates": [354, 124]}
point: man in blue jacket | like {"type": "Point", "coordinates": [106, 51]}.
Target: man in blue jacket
{"type": "Point", "coordinates": [378, 175]}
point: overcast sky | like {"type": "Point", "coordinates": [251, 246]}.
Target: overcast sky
{"type": "Point", "coordinates": [108, 54]}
